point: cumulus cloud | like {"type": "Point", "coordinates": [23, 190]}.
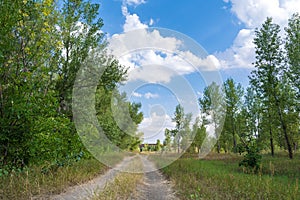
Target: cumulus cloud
{"type": "Point", "coordinates": [154, 58]}
{"type": "Point", "coordinates": [241, 54]}
{"type": "Point", "coordinates": [132, 21]}
{"type": "Point", "coordinates": [252, 13]}
{"type": "Point", "coordinates": [153, 127]}
{"type": "Point", "coordinates": [151, 56]}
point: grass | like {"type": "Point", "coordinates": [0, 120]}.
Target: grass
{"type": "Point", "coordinates": [124, 185]}
{"type": "Point", "coordinates": [219, 177]}
{"type": "Point", "coordinates": [32, 182]}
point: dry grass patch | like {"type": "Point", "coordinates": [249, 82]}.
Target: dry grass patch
{"type": "Point", "coordinates": [32, 182]}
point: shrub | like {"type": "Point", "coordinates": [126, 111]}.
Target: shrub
{"type": "Point", "coordinates": [252, 158]}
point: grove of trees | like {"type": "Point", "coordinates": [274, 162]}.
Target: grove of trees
{"type": "Point", "coordinates": [263, 116]}
{"type": "Point", "coordinates": [42, 46]}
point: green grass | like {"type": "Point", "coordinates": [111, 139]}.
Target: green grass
{"type": "Point", "coordinates": [32, 182]}
{"type": "Point", "coordinates": [219, 177]}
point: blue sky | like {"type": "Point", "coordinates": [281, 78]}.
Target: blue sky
{"type": "Point", "coordinates": [204, 21]}
{"type": "Point", "coordinates": [224, 28]}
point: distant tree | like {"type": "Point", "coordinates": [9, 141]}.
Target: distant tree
{"type": "Point", "coordinates": [179, 120]}
{"type": "Point", "coordinates": [167, 141]}
{"type": "Point", "coordinates": [233, 99]}
{"type": "Point", "coordinates": [199, 134]}
{"type": "Point", "coordinates": [186, 134]}
{"type": "Point", "coordinates": [212, 108]}
{"type": "Point", "coordinates": [158, 145]}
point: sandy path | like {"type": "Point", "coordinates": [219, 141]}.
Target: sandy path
{"type": "Point", "coordinates": [85, 191]}
{"type": "Point", "coordinates": [154, 185]}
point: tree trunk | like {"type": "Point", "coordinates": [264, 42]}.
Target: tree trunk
{"type": "Point", "coordinates": [218, 147]}
{"type": "Point", "coordinates": [234, 144]}
{"type": "Point", "coordinates": [233, 135]}
{"type": "Point", "coordinates": [284, 128]}
{"type": "Point", "coordinates": [271, 142]}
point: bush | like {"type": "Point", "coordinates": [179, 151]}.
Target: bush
{"type": "Point", "coordinates": [251, 159]}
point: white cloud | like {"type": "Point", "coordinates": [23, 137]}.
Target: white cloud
{"type": "Point", "coordinates": [252, 13]}
{"type": "Point", "coordinates": [152, 57]}
{"type": "Point", "coordinates": [154, 126]}
{"type": "Point", "coordinates": [151, 22]}
{"type": "Point", "coordinates": [133, 2]}
{"type": "Point", "coordinates": [242, 52]}
{"type": "Point", "coordinates": [157, 66]}
{"type": "Point", "coordinates": [150, 95]}
{"type": "Point", "coordinates": [147, 95]}
{"type": "Point", "coordinates": [136, 94]}
{"type": "Point", "coordinates": [133, 22]}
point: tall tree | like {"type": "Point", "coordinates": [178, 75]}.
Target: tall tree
{"type": "Point", "coordinates": [212, 108]}
{"type": "Point", "coordinates": [178, 119]}
{"type": "Point", "coordinates": [292, 46]}
{"type": "Point", "coordinates": [199, 134]}
{"type": "Point", "coordinates": [185, 133]}
{"type": "Point", "coordinates": [233, 99]}
{"type": "Point", "coordinates": [266, 77]}
{"type": "Point", "coordinates": [79, 29]}
{"type": "Point", "coordinates": [167, 140]}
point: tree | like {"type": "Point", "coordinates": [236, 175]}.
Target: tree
{"type": "Point", "coordinates": [185, 133]}
{"type": "Point", "coordinates": [212, 108]}
{"type": "Point", "coordinates": [79, 30]}
{"type": "Point", "coordinates": [199, 134]}
{"type": "Point", "coordinates": [233, 100]}
{"type": "Point", "coordinates": [292, 46]}
{"type": "Point", "coordinates": [28, 43]}
{"type": "Point", "coordinates": [178, 119]}
{"type": "Point", "coordinates": [157, 145]}
{"type": "Point", "coordinates": [266, 77]}
{"type": "Point", "coordinates": [167, 140]}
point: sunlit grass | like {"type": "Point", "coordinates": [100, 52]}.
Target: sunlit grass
{"type": "Point", "coordinates": [223, 179]}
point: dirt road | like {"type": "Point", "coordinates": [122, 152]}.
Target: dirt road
{"type": "Point", "coordinates": [153, 185]}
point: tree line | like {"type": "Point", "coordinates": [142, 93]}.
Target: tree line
{"type": "Point", "coordinates": [265, 115]}
{"type": "Point", "coordinates": [42, 46]}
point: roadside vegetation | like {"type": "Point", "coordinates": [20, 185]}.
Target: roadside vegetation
{"type": "Point", "coordinates": [38, 182]}
{"type": "Point", "coordinates": [219, 177]}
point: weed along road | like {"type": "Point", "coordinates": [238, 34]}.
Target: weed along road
{"type": "Point", "coordinates": [136, 174]}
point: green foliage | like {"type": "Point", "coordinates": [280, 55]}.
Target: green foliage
{"type": "Point", "coordinates": [199, 134]}
{"type": "Point", "coordinates": [42, 47]}
{"type": "Point", "coordinates": [233, 99]}
{"type": "Point", "coordinates": [212, 106]}
{"type": "Point", "coordinates": [252, 158]}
